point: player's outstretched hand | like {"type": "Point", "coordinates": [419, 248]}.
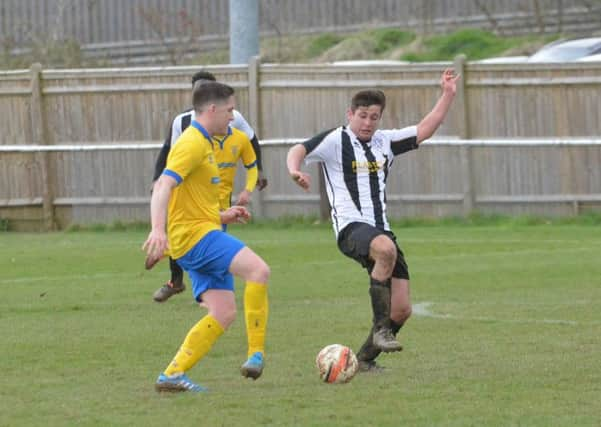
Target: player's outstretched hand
{"type": "Point", "coordinates": [302, 179]}
{"type": "Point", "coordinates": [235, 214]}
{"type": "Point", "coordinates": [448, 81]}
{"type": "Point", "coordinates": [155, 247]}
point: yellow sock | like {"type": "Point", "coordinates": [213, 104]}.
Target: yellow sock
{"type": "Point", "coordinates": [198, 342]}
{"type": "Point", "coordinates": [256, 310]}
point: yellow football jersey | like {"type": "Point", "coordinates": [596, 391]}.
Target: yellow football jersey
{"type": "Point", "coordinates": [194, 203]}
{"type": "Point", "coordinates": [229, 149]}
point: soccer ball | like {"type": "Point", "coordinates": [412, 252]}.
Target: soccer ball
{"type": "Point", "coordinates": [336, 364]}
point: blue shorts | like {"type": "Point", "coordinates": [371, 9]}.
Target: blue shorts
{"type": "Point", "coordinates": [208, 262]}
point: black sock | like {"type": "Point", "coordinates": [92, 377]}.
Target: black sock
{"type": "Point", "coordinates": [379, 293]}
{"type": "Point", "coordinates": [177, 274]}
{"type": "Point", "coordinates": [396, 327]}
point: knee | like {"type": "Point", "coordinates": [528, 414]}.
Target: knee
{"type": "Point", "coordinates": [400, 314]}
{"type": "Point", "coordinates": [260, 272]}
{"type": "Point", "coordinates": [386, 254]}
{"type": "Point", "coordinates": [225, 316]}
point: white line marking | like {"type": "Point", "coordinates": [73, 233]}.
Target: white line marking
{"type": "Point", "coordinates": [71, 277]}
{"type": "Point", "coordinates": [423, 309]}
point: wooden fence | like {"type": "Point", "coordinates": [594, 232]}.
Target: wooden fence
{"type": "Point", "coordinates": [67, 116]}
{"type": "Point", "coordinates": [55, 186]}
{"type": "Point", "coordinates": [99, 106]}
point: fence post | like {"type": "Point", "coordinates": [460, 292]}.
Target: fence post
{"type": "Point", "coordinates": [40, 137]}
{"type": "Point", "coordinates": [461, 105]}
{"type": "Point", "coordinates": [253, 115]}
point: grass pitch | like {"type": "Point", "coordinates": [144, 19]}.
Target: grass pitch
{"type": "Point", "coordinates": [505, 332]}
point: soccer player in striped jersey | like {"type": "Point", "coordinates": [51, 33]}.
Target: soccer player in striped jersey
{"type": "Point", "coordinates": [231, 148]}
{"type": "Point", "coordinates": [356, 161]}
{"type": "Point", "coordinates": [186, 200]}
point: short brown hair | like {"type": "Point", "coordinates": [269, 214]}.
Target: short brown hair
{"type": "Point", "coordinates": [206, 92]}
{"type": "Point", "coordinates": [365, 98]}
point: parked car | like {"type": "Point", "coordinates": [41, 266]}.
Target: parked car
{"type": "Point", "coordinates": [504, 60]}
{"type": "Point", "coordinates": [590, 58]}
{"type": "Point", "coordinates": [369, 62]}
{"type": "Point", "coordinates": [567, 50]}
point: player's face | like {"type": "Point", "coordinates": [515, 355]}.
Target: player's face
{"type": "Point", "coordinates": [223, 115]}
{"type": "Point", "coordinates": [364, 121]}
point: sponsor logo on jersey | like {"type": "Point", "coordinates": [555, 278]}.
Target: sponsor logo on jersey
{"type": "Point", "coordinates": [366, 166]}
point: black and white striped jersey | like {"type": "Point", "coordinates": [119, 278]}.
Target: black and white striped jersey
{"type": "Point", "coordinates": [355, 172]}
{"type": "Point", "coordinates": [183, 120]}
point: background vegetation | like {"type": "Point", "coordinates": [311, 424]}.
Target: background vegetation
{"type": "Point", "coordinates": [386, 43]}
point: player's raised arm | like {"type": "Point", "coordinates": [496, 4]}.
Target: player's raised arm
{"type": "Point", "coordinates": [296, 155]}
{"type": "Point", "coordinates": [432, 121]}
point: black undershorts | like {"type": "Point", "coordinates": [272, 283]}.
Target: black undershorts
{"type": "Point", "coordinates": [354, 241]}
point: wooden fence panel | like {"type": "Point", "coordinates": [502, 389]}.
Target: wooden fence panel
{"type": "Point", "coordinates": [136, 104]}
{"type": "Point", "coordinates": [15, 99]}
{"type": "Point", "coordinates": [319, 95]}
{"type": "Point", "coordinates": [534, 100]}
{"type": "Point", "coordinates": [108, 105]}
{"type": "Point", "coordinates": [103, 184]}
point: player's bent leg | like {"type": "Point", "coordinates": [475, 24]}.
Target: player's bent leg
{"type": "Point", "coordinates": [199, 340]}
{"type": "Point", "coordinates": [383, 337]}
{"type": "Point", "coordinates": [254, 270]}
{"type": "Point", "coordinates": [382, 250]}
{"type": "Point", "coordinates": [400, 301]}
{"type": "Point", "coordinates": [249, 266]}
{"type": "Point", "coordinates": [221, 305]}
{"type": "Point", "coordinates": [173, 286]}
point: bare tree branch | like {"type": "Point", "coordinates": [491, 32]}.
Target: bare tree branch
{"type": "Point", "coordinates": [489, 16]}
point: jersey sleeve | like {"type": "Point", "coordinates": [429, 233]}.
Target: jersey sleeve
{"type": "Point", "coordinates": [249, 159]}
{"type": "Point", "coordinates": [240, 123]}
{"type": "Point", "coordinates": [402, 140]}
{"type": "Point", "coordinates": [321, 147]}
{"type": "Point", "coordinates": [183, 159]}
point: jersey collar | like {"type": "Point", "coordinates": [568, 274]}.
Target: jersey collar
{"type": "Point", "coordinates": [222, 140]}
{"type": "Point", "coordinates": [356, 138]}
{"type": "Point", "coordinates": [202, 130]}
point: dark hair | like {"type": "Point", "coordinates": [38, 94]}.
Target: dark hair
{"type": "Point", "coordinates": [365, 98]}
{"type": "Point", "coordinates": [203, 75]}
{"type": "Point", "coordinates": [205, 93]}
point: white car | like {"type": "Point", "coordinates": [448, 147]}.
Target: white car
{"type": "Point", "coordinates": [368, 62]}
{"type": "Point", "coordinates": [590, 58]}
{"type": "Point", "coordinates": [568, 50]}
{"type": "Point", "coordinates": [504, 60]}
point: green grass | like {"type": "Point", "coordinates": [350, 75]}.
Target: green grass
{"type": "Point", "coordinates": [390, 38]}
{"type": "Point", "coordinates": [505, 332]}
{"type": "Point", "coordinates": [381, 43]}
{"type": "Point", "coordinates": [321, 43]}
{"type": "Point", "coordinates": [473, 43]}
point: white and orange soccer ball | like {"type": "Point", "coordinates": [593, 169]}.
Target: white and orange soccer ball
{"type": "Point", "coordinates": [336, 364]}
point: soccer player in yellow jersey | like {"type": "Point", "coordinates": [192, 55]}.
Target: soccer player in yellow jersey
{"type": "Point", "coordinates": [229, 149]}
{"type": "Point", "coordinates": [186, 199]}
{"type": "Point", "coordinates": [226, 168]}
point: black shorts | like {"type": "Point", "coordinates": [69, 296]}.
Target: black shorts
{"type": "Point", "coordinates": [354, 241]}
